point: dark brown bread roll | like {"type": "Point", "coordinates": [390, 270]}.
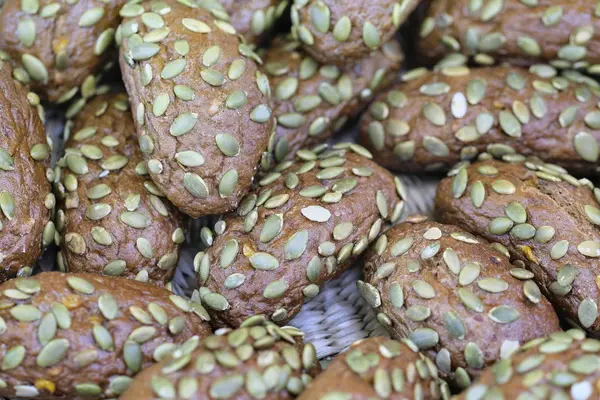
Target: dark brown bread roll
{"type": "Point", "coordinates": [76, 336]}
{"type": "Point", "coordinates": [257, 361]}
{"type": "Point", "coordinates": [341, 32]}
{"type": "Point", "coordinates": [61, 45]}
{"type": "Point", "coordinates": [302, 225]}
{"type": "Point", "coordinates": [311, 101]}
{"type": "Point", "coordinates": [201, 107]}
{"type": "Point", "coordinates": [436, 119]}
{"type": "Point", "coordinates": [522, 32]}
{"type": "Point", "coordinates": [379, 368]}
{"type": "Point", "coordinates": [458, 299]}
{"type": "Point", "coordinates": [254, 19]}
{"type": "Point", "coordinates": [111, 221]}
{"type": "Point", "coordinates": [564, 366]}
{"type": "Point", "coordinates": [547, 219]}
{"type": "Point", "coordinates": [25, 198]}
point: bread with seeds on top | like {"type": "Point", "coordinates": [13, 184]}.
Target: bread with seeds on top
{"type": "Point", "coordinates": [113, 220]}
{"type": "Point", "coordinates": [379, 368]}
{"type": "Point", "coordinates": [254, 19]}
{"type": "Point", "coordinates": [522, 32]}
{"type": "Point", "coordinates": [60, 46]}
{"type": "Point", "coordinates": [455, 296]}
{"type": "Point", "coordinates": [342, 32]}
{"type": "Point", "coordinates": [84, 336]}
{"type": "Point", "coordinates": [311, 100]}
{"type": "Point", "coordinates": [563, 366]}
{"type": "Point", "coordinates": [433, 120]}
{"type": "Point", "coordinates": [26, 201]}
{"type": "Point", "coordinates": [548, 221]}
{"type": "Point", "coordinates": [302, 225]}
{"type": "Point", "coordinates": [257, 361]}
{"type": "Point", "coordinates": [200, 105]}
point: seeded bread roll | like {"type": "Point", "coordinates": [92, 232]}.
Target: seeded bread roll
{"type": "Point", "coordinates": [311, 101]}
{"type": "Point", "coordinates": [25, 198]}
{"type": "Point", "coordinates": [111, 221]}
{"type": "Point", "coordinates": [522, 32]}
{"type": "Point", "coordinates": [564, 366]}
{"type": "Point", "coordinates": [202, 108]}
{"type": "Point", "coordinates": [544, 217]}
{"type": "Point", "coordinates": [257, 361]}
{"type": "Point", "coordinates": [379, 368]}
{"type": "Point", "coordinates": [302, 225]}
{"type": "Point", "coordinates": [342, 32]}
{"type": "Point", "coordinates": [458, 299]}
{"type": "Point", "coordinates": [254, 19]}
{"type": "Point", "coordinates": [81, 336]}
{"type": "Point", "coordinates": [61, 45]}
{"type": "Point", "coordinates": [435, 119]}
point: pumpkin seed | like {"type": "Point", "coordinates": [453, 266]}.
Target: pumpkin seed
{"type": "Point", "coordinates": [296, 245]}
{"type": "Point", "coordinates": [195, 185]}
{"type": "Point", "coordinates": [587, 312]}
{"type": "Point", "coordinates": [227, 144]}
{"type": "Point", "coordinates": [559, 249]}
{"type": "Point", "coordinates": [275, 289]}
{"type": "Point", "coordinates": [424, 338]}
{"type": "Point", "coordinates": [52, 353]}
{"type": "Point", "coordinates": [586, 147]}
{"type": "Point", "coordinates": [504, 314]}
{"type": "Point", "coordinates": [264, 261]}
{"type": "Point", "coordinates": [470, 300]}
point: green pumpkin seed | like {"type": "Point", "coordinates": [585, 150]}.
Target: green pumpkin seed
{"type": "Point", "coordinates": [523, 231]}
{"type": "Point", "coordinates": [195, 185]}
{"type": "Point", "coordinates": [423, 289]}
{"type": "Point", "coordinates": [115, 268]}
{"type": "Point", "coordinates": [459, 183]}
{"type": "Point", "coordinates": [91, 17]}
{"type": "Point", "coordinates": [454, 325]}
{"type": "Point", "coordinates": [134, 219]}
{"type": "Point", "coordinates": [228, 183]}
{"type": "Point", "coordinates": [587, 312]}
{"type": "Point", "coordinates": [544, 234]}
{"type": "Point", "coordinates": [567, 274]}
{"type": "Point", "coordinates": [25, 313]}
{"type": "Point", "coordinates": [586, 146]}
{"type": "Point", "coordinates": [342, 29]}
{"type": "Point", "coordinates": [7, 204]}
{"type": "Point", "coordinates": [227, 144]}
{"type": "Point", "coordinates": [469, 273]}
{"type": "Point", "coordinates": [401, 247]}
{"type": "Point", "coordinates": [493, 285]}
{"type": "Point", "coordinates": [190, 158]}
{"type": "Point", "coordinates": [13, 357]}
{"type": "Point", "coordinates": [264, 261]}
{"type": "Point", "coordinates": [470, 300]}
{"type": "Point", "coordinates": [52, 353]}
{"type": "Point", "coordinates": [184, 123]}
{"type": "Point", "coordinates": [275, 289]}
{"type": "Point", "coordinates": [271, 228]}
{"type": "Point", "coordinates": [424, 338]}
{"type": "Point", "coordinates": [80, 285]}
{"type": "Point", "coordinates": [434, 114]}
{"type": "Point", "coordinates": [296, 245]}
{"type": "Point", "coordinates": [476, 89]}
{"type": "Point", "coordinates": [532, 292]}
{"type": "Point", "coordinates": [589, 248]}
{"type": "Point", "coordinates": [559, 249]}
{"type": "Point", "coordinates": [504, 314]}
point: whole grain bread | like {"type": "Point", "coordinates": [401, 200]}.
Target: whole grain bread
{"type": "Point", "coordinates": [312, 101]}
{"type": "Point", "coordinates": [379, 368]}
{"type": "Point", "coordinates": [433, 120]}
{"type": "Point", "coordinates": [526, 32]}
{"type": "Point", "coordinates": [257, 361]}
{"type": "Point", "coordinates": [111, 221]}
{"type": "Point", "coordinates": [200, 106]}
{"type": "Point", "coordinates": [547, 220]}
{"type": "Point", "coordinates": [84, 336]}
{"type": "Point", "coordinates": [26, 201]}
{"type": "Point", "coordinates": [303, 224]}
{"type": "Point", "coordinates": [456, 297]}
{"type": "Point", "coordinates": [342, 32]}
{"type": "Point", "coordinates": [563, 366]}
{"type": "Point", "coordinates": [61, 46]}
